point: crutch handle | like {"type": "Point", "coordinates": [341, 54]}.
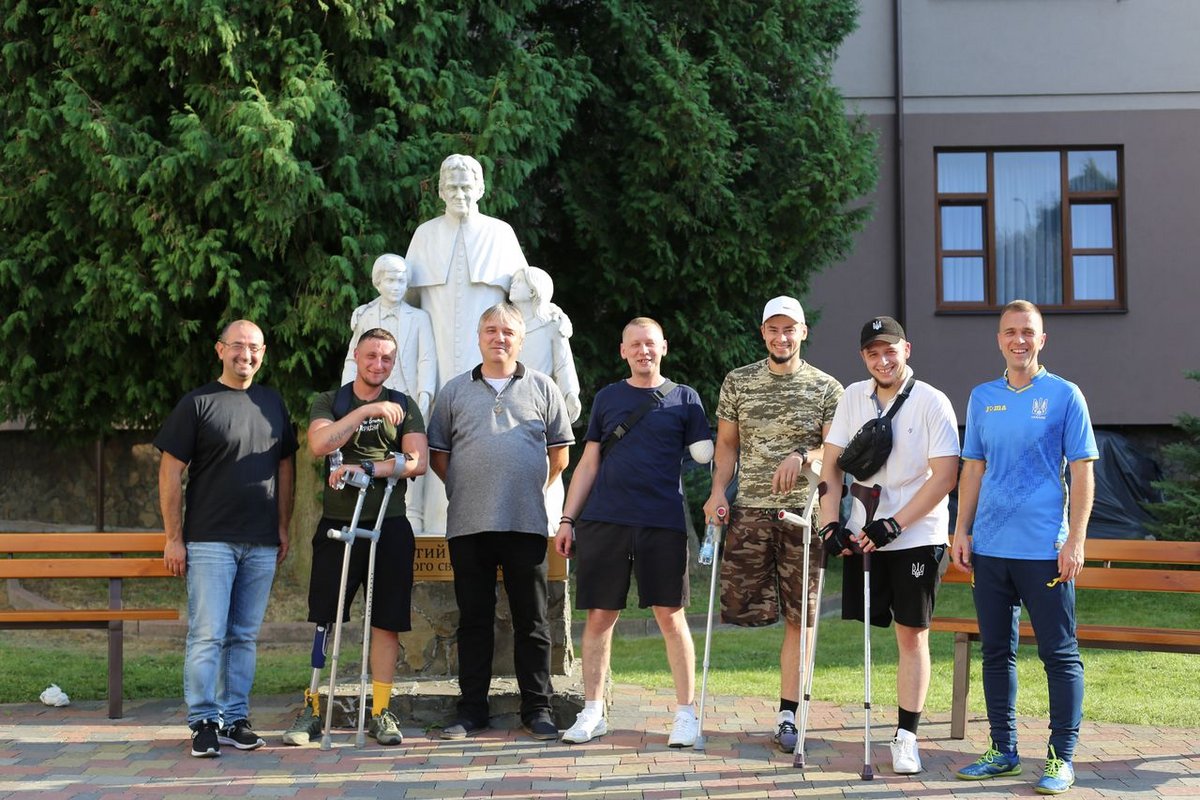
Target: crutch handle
{"type": "Point", "coordinates": [793, 520]}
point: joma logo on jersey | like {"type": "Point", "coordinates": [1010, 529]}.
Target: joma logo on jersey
{"type": "Point", "coordinates": [990, 409]}
{"type": "Point", "coordinates": [1039, 407]}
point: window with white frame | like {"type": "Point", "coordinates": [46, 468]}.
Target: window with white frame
{"type": "Point", "coordinates": [1043, 225]}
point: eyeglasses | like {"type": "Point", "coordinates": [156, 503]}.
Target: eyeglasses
{"type": "Point", "coordinates": [237, 347]}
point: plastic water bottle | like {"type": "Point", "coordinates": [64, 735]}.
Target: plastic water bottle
{"type": "Point", "coordinates": [335, 461]}
{"type": "Point", "coordinates": [708, 548]}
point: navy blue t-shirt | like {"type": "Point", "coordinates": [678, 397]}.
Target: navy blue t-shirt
{"type": "Point", "coordinates": [638, 482]}
{"type": "Point", "coordinates": [232, 442]}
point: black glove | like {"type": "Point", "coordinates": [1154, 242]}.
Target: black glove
{"type": "Point", "coordinates": [882, 532]}
{"type": "Point", "coordinates": [836, 538]}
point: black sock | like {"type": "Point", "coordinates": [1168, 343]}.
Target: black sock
{"type": "Point", "coordinates": [789, 705]}
{"type": "Point", "coordinates": [908, 720]}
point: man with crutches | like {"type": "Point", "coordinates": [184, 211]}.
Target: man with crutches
{"type": "Point", "coordinates": [771, 421]}
{"type": "Point", "coordinates": [377, 434]}
{"type": "Point", "coordinates": [898, 438]}
{"type": "Point", "coordinates": [624, 515]}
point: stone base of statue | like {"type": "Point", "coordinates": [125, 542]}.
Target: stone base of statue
{"type": "Point", "coordinates": [426, 687]}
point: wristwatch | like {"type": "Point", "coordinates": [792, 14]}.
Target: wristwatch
{"type": "Point", "coordinates": [803, 456]}
{"type": "Point", "coordinates": [369, 468]}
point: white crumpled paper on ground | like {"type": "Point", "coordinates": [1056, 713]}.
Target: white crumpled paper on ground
{"type": "Point", "coordinates": [54, 696]}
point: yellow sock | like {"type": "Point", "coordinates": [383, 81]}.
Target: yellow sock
{"type": "Point", "coordinates": [381, 695]}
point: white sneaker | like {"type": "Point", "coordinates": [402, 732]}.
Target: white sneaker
{"type": "Point", "coordinates": [684, 731]}
{"type": "Point", "coordinates": [586, 728]}
{"type": "Point", "coordinates": [905, 758]}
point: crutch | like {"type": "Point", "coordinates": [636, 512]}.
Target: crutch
{"type": "Point", "coordinates": [361, 482]}
{"type": "Point", "coordinates": [804, 524]}
{"type": "Point", "coordinates": [869, 497]}
{"type": "Point", "coordinates": [708, 625]}
{"type": "Point", "coordinates": [360, 739]}
{"type": "Point", "coordinates": [812, 660]}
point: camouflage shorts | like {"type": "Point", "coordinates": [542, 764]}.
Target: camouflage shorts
{"type": "Point", "coordinates": [762, 566]}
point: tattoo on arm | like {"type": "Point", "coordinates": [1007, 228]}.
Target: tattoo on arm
{"type": "Point", "coordinates": [338, 434]}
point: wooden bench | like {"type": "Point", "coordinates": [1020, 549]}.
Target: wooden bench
{"type": "Point", "coordinates": [1128, 565]}
{"type": "Point", "coordinates": [114, 556]}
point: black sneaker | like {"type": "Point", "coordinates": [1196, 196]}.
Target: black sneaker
{"type": "Point", "coordinates": [240, 735]}
{"type": "Point", "coordinates": [205, 743]}
{"type": "Point", "coordinates": [462, 728]}
{"type": "Point", "coordinates": [540, 727]}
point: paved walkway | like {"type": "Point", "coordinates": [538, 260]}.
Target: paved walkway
{"type": "Point", "coordinates": [76, 752]}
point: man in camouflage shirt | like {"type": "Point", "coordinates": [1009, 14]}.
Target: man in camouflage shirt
{"type": "Point", "coordinates": [775, 414]}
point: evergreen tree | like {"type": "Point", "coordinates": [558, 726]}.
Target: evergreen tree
{"type": "Point", "coordinates": [169, 166]}
{"type": "Point", "coordinates": [1178, 514]}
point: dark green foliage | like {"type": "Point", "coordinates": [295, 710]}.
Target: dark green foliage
{"type": "Point", "coordinates": [169, 166]}
{"type": "Point", "coordinates": [1178, 515]}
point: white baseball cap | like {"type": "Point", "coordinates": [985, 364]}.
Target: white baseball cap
{"type": "Point", "coordinates": [787, 306]}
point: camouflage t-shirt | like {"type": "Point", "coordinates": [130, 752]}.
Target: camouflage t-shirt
{"type": "Point", "coordinates": [775, 415]}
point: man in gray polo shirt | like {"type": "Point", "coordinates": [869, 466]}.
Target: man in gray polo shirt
{"type": "Point", "coordinates": [498, 435]}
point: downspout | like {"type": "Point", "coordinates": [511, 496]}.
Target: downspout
{"type": "Point", "coordinates": [901, 272]}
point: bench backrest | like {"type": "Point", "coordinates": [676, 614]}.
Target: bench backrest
{"type": "Point", "coordinates": [82, 555]}
{"type": "Point", "coordinates": [1131, 564]}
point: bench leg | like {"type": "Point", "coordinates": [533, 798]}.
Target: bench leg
{"type": "Point", "coordinates": [962, 686]}
{"type": "Point", "coordinates": [116, 668]}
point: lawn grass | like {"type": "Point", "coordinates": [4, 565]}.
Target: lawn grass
{"type": "Point", "coordinates": [1122, 686]}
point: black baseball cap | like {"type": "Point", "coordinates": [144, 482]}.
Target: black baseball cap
{"type": "Point", "coordinates": [881, 328]}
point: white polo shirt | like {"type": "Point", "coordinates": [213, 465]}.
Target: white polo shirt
{"type": "Point", "coordinates": [924, 428]}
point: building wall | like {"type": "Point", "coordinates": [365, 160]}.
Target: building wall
{"type": "Point", "coordinates": [1088, 73]}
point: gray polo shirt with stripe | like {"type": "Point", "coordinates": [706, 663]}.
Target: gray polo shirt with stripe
{"type": "Point", "coordinates": [497, 444]}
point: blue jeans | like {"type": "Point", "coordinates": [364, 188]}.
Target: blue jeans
{"type": "Point", "coordinates": [1001, 585]}
{"type": "Point", "coordinates": [228, 586]}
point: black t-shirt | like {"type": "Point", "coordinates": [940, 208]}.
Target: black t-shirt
{"type": "Point", "coordinates": [232, 442]}
{"type": "Point", "coordinates": [375, 440]}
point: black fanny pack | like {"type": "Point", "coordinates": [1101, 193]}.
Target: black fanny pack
{"type": "Point", "coordinates": [868, 451]}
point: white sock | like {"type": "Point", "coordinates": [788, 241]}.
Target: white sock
{"type": "Point", "coordinates": [689, 709]}
{"type": "Point", "coordinates": [593, 708]}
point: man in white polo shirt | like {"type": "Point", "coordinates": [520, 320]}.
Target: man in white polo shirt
{"type": "Point", "coordinates": [907, 536]}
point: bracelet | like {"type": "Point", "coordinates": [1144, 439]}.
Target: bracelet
{"type": "Point", "coordinates": [569, 520]}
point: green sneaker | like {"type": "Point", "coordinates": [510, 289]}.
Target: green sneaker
{"type": "Point", "coordinates": [385, 728]}
{"type": "Point", "coordinates": [1058, 776]}
{"type": "Point", "coordinates": [992, 764]}
{"type": "Point", "coordinates": [307, 726]}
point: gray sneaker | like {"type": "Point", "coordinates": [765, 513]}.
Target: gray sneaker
{"type": "Point", "coordinates": [385, 728]}
{"type": "Point", "coordinates": [307, 726]}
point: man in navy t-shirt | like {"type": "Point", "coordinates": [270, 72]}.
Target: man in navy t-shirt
{"type": "Point", "coordinates": [624, 514]}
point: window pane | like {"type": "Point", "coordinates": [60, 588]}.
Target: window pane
{"type": "Point", "coordinates": [1092, 170]}
{"type": "Point", "coordinates": [962, 227]}
{"type": "Point", "coordinates": [1094, 278]}
{"type": "Point", "coordinates": [962, 172]}
{"type": "Point", "coordinates": [962, 280]}
{"type": "Point", "coordinates": [1091, 226]}
{"type": "Point", "coordinates": [1028, 214]}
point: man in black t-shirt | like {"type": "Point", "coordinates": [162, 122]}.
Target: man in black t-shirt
{"type": "Point", "coordinates": [237, 444]}
{"type": "Point", "coordinates": [377, 436]}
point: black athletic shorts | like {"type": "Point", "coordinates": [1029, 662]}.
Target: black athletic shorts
{"type": "Point", "coordinates": [904, 585]}
{"type": "Point", "coordinates": [391, 605]}
{"type": "Point", "coordinates": [606, 554]}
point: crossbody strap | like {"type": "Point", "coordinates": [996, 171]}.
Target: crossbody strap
{"type": "Point", "coordinates": [656, 397]}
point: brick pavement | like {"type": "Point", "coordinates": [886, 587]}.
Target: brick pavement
{"type": "Point", "coordinates": [76, 752]}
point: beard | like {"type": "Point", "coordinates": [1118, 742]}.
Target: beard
{"type": "Point", "coordinates": [781, 359]}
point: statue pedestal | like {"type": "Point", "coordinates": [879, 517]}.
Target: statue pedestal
{"type": "Point", "coordinates": [426, 687]}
